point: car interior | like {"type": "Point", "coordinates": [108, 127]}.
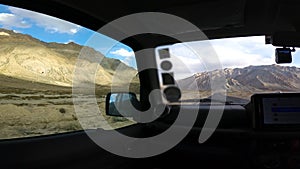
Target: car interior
{"type": "Point", "coordinates": [253, 126]}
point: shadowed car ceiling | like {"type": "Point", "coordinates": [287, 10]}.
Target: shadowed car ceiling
{"type": "Point", "coordinates": [217, 18]}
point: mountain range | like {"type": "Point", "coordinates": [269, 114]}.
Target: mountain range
{"type": "Point", "coordinates": [249, 79]}
{"type": "Point", "coordinates": [27, 58]}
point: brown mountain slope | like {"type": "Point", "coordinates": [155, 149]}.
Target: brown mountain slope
{"type": "Point", "coordinates": [250, 79]}
{"type": "Point", "coordinates": [27, 58]}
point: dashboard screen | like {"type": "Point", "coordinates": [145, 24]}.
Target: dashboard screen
{"type": "Point", "coordinates": [276, 111]}
{"type": "Point", "coordinates": [285, 110]}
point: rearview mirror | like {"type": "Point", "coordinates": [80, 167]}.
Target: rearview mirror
{"type": "Point", "coordinates": [120, 104]}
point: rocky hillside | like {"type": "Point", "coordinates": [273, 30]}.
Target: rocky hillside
{"type": "Point", "coordinates": [27, 58]}
{"type": "Point", "coordinates": [250, 79]}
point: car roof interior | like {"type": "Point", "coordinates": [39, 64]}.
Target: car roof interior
{"type": "Point", "coordinates": [216, 18]}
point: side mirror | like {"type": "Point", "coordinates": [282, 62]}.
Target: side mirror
{"type": "Point", "coordinates": [120, 104]}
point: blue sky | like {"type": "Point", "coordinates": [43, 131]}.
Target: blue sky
{"type": "Point", "coordinates": [50, 29]}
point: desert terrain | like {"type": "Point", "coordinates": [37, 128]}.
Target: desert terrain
{"type": "Point", "coordinates": [36, 86]}
{"type": "Point", "coordinates": [32, 109]}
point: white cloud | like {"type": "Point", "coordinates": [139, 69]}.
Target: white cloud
{"type": "Point", "coordinates": [192, 57]}
{"type": "Point", "coordinates": [229, 53]}
{"type": "Point", "coordinates": [73, 30]}
{"type": "Point", "coordinates": [51, 24]}
{"type": "Point", "coordinates": [123, 52]}
{"type": "Point", "coordinates": [69, 41]}
{"type": "Point", "coordinates": [125, 56]}
{"type": "Point", "coordinates": [189, 58]}
{"type": "Point", "coordinates": [242, 52]}
{"type": "Point", "coordinates": [232, 58]}
{"type": "Point", "coordinates": [11, 20]}
{"type": "Point", "coordinates": [16, 31]}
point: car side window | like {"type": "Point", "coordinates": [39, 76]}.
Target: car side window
{"type": "Point", "coordinates": [38, 55]}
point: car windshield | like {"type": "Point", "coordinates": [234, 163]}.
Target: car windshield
{"type": "Point", "coordinates": [247, 63]}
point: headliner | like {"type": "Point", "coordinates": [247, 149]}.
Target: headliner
{"type": "Point", "coordinates": [216, 18]}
